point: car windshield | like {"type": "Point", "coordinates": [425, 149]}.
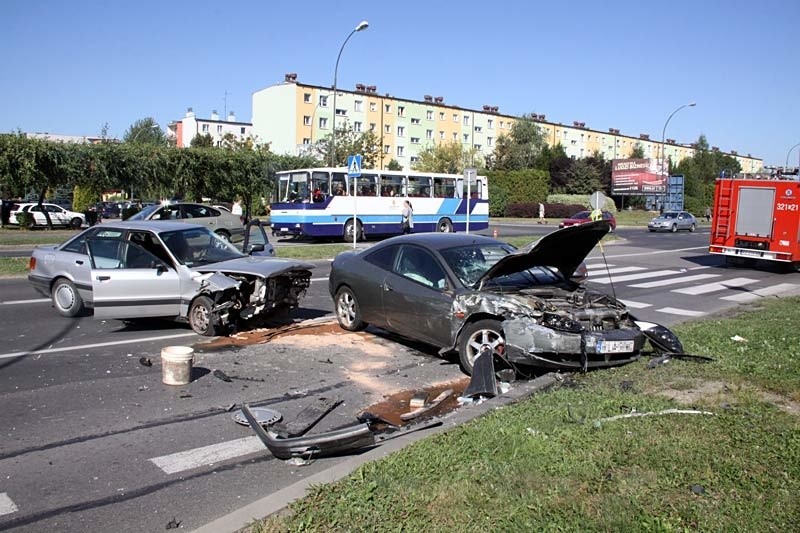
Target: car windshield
{"type": "Point", "coordinates": [670, 215]}
{"type": "Point", "coordinates": [144, 213]}
{"type": "Point", "coordinates": [199, 246]}
{"type": "Point", "coordinates": [581, 215]}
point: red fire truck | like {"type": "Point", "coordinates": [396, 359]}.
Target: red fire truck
{"type": "Point", "coordinates": [757, 217]}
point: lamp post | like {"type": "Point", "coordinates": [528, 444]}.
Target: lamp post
{"type": "Point", "coordinates": [663, 155]}
{"type": "Point", "coordinates": [363, 25]}
{"type": "Point", "coordinates": [785, 166]}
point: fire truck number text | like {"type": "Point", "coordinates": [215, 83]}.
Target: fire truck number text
{"type": "Point", "coordinates": [788, 207]}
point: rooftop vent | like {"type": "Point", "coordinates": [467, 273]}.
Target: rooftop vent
{"type": "Point", "coordinates": [428, 98]}
{"type": "Point", "coordinates": [439, 99]}
{"type": "Point", "coordinates": [644, 136]}
{"type": "Point", "coordinates": [290, 77]}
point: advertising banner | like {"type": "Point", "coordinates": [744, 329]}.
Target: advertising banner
{"type": "Point", "coordinates": [637, 176]}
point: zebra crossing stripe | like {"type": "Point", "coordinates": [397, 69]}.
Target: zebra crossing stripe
{"type": "Point", "coordinates": [598, 265]}
{"type": "Point", "coordinates": [680, 312]}
{"type": "Point", "coordinates": [760, 293]}
{"type": "Point", "coordinates": [635, 305]}
{"type": "Point", "coordinates": [7, 505]}
{"type": "Point", "coordinates": [714, 287]}
{"type": "Point", "coordinates": [673, 281]}
{"type": "Point", "coordinates": [631, 277]}
{"type": "Point", "coordinates": [619, 270]}
{"type": "Point", "coordinates": [208, 455]}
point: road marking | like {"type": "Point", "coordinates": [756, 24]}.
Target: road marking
{"type": "Point", "coordinates": [635, 305]}
{"type": "Point", "coordinates": [34, 301]}
{"type": "Point", "coordinates": [598, 265]}
{"type": "Point", "coordinates": [759, 293]}
{"type": "Point", "coordinates": [714, 287]}
{"type": "Point", "coordinates": [319, 279]}
{"type": "Point", "coordinates": [7, 505]}
{"type": "Point", "coordinates": [619, 270]}
{"type": "Point", "coordinates": [680, 312]}
{"type": "Point", "coordinates": [631, 277]}
{"type": "Point", "coordinates": [208, 455]}
{"type": "Point", "coordinates": [656, 252]}
{"type": "Point", "coordinates": [673, 281]}
{"type": "Point", "coordinates": [95, 345]}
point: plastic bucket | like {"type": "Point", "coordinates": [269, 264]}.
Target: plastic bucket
{"type": "Point", "coordinates": [176, 365]}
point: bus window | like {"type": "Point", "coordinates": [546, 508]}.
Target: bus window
{"type": "Point", "coordinates": [367, 185]}
{"type": "Point", "coordinates": [392, 185]}
{"type": "Point", "coordinates": [294, 187]}
{"type": "Point", "coordinates": [339, 184]}
{"type": "Point", "coordinates": [419, 186]}
{"type": "Point", "coordinates": [475, 189]}
{"type": "Point", "coordinates": [444, 187]}
{"type": "Point", "coordinates": [320, 186]}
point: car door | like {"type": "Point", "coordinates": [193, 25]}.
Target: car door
{"type": "Point", "coordinates": [57, 214]}
{"type": "Point", "coordinates": [417, 301]}
{"type": "Point", "coordinates": [200, 214]}
{"type": "Point", "coordinates": [377, 268]}
{"type": "Point", "coordinates": [128, 281]}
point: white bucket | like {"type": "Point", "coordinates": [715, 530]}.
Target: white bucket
{"type": "Point", "coordinates": [176, 365]}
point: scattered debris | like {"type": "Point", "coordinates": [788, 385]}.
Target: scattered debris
{"type": "Point", "coordinates": [626, 385]}
{"type": "Point", "coordinates": [483, 382]}
{"type": "Point", "coordinates": [427, 408]}
{"type": "Point", "coordinates": [636, 414]}
{"type": "Point", "coordinates": [145, 361]}
{"type": "Point", "coordinates": [419, 399]}
{"type": "Point", "coordinates": [307, 418]}
{"type": "Point", "coordinates": [698, 489]}
{"type": "Point", "coordinates": [507, 375]}
{"type": "Point", "coordinates": [658, 361]}
{"type": "Point", "coordinates": [241, 378]}
{"type": "Point", "coordinates": [219, 374]}
{"type": "Point", "coordinates": [373, 419]}
{"type": "Point", "coordinates": [667, 357]}
{"type": "Point", "coordinates": [184, 396]}
{"type": "Point", "coordinates": [230, 407]}
{"type": "Point", "coordinates": [173, 524]}
{"type": "Point", "coordinates": [327, 361]}
{"type": "Point", "coordinates": [737, 338]}
{"type": "Point", "coordinates": [264, 416]}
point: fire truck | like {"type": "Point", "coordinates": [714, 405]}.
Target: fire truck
{"type": "Point", "coordinates": [757, 217]}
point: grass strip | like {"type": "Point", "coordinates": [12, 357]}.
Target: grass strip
{"type": "Point", "coordinates": [13, 267]}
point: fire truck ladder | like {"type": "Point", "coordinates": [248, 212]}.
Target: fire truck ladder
{"type": "Point", "coordinates": [722, 217]}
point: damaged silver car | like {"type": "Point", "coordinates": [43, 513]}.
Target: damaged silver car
{"type": "Point", "coordinates": [127, 270]}
{"type": "Point", "coordinates": [466, 293]}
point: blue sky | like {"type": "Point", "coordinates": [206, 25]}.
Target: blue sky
{"type": "Point", "coordinates": [69, 67]}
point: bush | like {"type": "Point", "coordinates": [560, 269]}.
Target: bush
{"type": "Point", "coordinates": [580, 199]}
{"type": "Point", "coordinates": [562, 210]}
{"type": "Point", "coordinates": [498, 200]}
{"type": "Point", "coordinates": [25, 220]}
{"type": "Point", "coordinates": [531, 210]}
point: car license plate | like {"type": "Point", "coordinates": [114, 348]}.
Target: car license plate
{"type": "Point", "coordinates": [615, 346]}
{"type": "Point", "coordinates": [748, 253]}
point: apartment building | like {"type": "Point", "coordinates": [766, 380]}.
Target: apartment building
{"type": "Point", "coordinates": [292, 116]}
{"type": "Point", "coordinates": [190, 126]}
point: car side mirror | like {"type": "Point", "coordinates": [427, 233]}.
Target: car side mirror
{"type": "Point", "coordinates": [255, 247]}
{"type": "Point", "coordinates": [161, 268]}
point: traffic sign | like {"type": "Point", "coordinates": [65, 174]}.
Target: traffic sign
{"type": "Point", "coordinates": [597, 200]}
{"type": "Point", "coordinates": [354, 166]}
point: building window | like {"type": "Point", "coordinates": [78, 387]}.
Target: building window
{"type": "Point", "coordinates": [357, 127]}
{"type": "Point", "coordinates": [307, 120]}
{"type": "Point", "coordinates": [466, 137]}
{"type": "Point", "coordinates": [490, 141]}
{"type": "Point", "coordinates": [219, 144]}
{"type": "Point", "coordinates": [478, 146]}
{"type": "Point", "coordinates": [306, 140]}
{"type": "Point", "coordinates": [429, 115]}
{"type": "Point", "coordinates": [373, 106]}
{"type": "Point", "coordinates": [358, 106]}
{"type": "Point", "coordinates": [219, 128]}
{"type": "Point", "coordinates": [401, 111]}
{"type": "Point", "coordinates": [455, 117]}
{"type": "Point", "coordinates": [401, 131]}
{"type": "Point", "coordinates": [387, 149]}
{"type": "Point", "coordinates": [242, 130]}
{"type": "Point", "coordinates": [478, 129]}
{"type": "Point", "coordinates": [306, 98]}
{"type": "Point", "coordinates": [466, 120]}
{"type": "Point", "coordinates": [441, 115]}
{"type": "Point", "coordinates": [341, 112]}
{"type": "Point", "coordinates": [323, 101]}
{"type": "Point", "coordinates": [414, 159]}
{"type": "Point", "coordinates": [501, 124]}
{"type": "Point", "coordinates": [372, 126]}
{"type": "Point", "coordinates": [205, 128]}
{"type": "Point", "coordinates": [388, 108]}
{"type": "Point", "coordinates": [455, 136]}
{"type": "Point", "coordinates": [387, 128]}
{"type": "Point", "coordinates": [490, 124]}
{"type": "Point", "coordinates": [441, 135]}
{"type": "Point", "coordinates": [429, 134]}
{"type": "Point", "coordinates": [400, 150]}
{"type": "Point", "coordinates": [323, 123]}
{"type": "Point", "coordinates": [414, 140]}
{"type": "Point", "coordinates": [415, 121]}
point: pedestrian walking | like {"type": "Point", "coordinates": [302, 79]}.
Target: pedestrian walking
{"type": "Point", "coordinates": [541, 214]}
{"type": "Point", "coordinates": [236, 209]}
{"type": "Point", "coordinates": [708, 214]}
{"type": "Point", "coordinates": [407, 217]}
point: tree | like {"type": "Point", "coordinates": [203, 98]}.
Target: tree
{"type": "Point", "coordinates": [637, 152]}
{"type": "Point", "coordinates": [203, 140]}
{"type": "Point", "coordinates": [350, 142]}
{"type": "Point", "coordinates": [394, 165]}
{"type": "Point", "coordinates": [584, 177]}
{"type": "Point", "coordinates": [145, 131]}
{"type": "Point", "coordinates": [521, 148]}
{"type": "Point", "coordinates": [700, 172]}
{"type": "Point", "coordinates": [447, 157]}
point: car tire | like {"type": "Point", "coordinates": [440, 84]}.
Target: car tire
{"type": "Point", "coordinates": [652, 231]}
{"type": "Point", "coordinates": [348, 312]}
{"type": "Point", "coordinates": [692, 228]}
{"type": "Point", "coordinates": [224, 235]}
{"type": "Point", "coordinates": [201, 317]}
{"type": "Point", "coordinates": [348, 231]}
{"type": "Point", "coordinates": [445, 226]}
{"type": "Point", "coordinates": [75, 223]}
{"type": "Point", "coordinates": [475, 336]}
{"type": "Point", "coordinates": [66, 298]}
{"type": "Point", "coordinates": [674, 228]}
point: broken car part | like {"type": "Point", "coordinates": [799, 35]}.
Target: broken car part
{"type": "Point", "coordinates": [660, 337]}
{"type": "Point", "coordinates": [264, 416]}
{"type": "Point", "coordinates": [429, 407]}
{"type": "Point", "coordinates": [307, 418]}
{"type": "Point", "coordinates": [483, 382]}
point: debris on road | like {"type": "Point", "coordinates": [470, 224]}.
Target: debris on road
{"type": "Point", "coordinates": [219, 374]}
{"type": "Point", "coordinates": [427, 408]}
{"type": "Point", "coordinates": [483, 382]}
{"type": "Point", "coordinates": [145, 361]}
{"type": "Point", "coordinates": [307, 418]}
{"type": "Point", "coordinates": [264, 416]}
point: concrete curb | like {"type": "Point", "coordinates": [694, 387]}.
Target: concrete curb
{"type": "Point", "coordinates": [281, 499]}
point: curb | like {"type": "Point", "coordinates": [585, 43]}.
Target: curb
{"type": "Point", "coordinates": [279, 500]}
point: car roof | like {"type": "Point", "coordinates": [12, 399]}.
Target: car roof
{"type": "Point", "coordinates": [440, 241]}
{"type": "Point", "coordinates": [156, 226]}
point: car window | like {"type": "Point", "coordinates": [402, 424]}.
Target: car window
{"type": "Point", "coordinates": [54, 209]}
{"type": "Point", "coordinates": [383, 258]}
{"type": "Point", "coordinates": [35, 208]}
{"type": "Point", "coordinates": [147, 241]}
{"type": "Point", "coordinates": [581, 215]}
{"type": "Point", "coordinates": [78, 244]}
{"type": "Point", "coordinates": [105, 253]}
{"type": "Point", "coordinates": [471, 262]}
{"type": "Point", "coordinates": [145, 213]}
{"type": "Point", "coordinates": [198, 211]}
{"type": "Point", "coordinates": [199, 246]}
{"type": "Point", "coordinates": [419, 265]}
{"type": "Point", "coordinates": [607, 215]}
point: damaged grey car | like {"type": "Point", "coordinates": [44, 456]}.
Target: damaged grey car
{"type": "Point", "coordinates": [127, 270]}
{"type": "Point", "coordinates": [466, 293]}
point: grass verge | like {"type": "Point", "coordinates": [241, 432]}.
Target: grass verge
{"type": "Point", "coordinates": [17, 236]}
{"type": "Point", "coordinates": [13, 266]}
{"type": "Point", "coordinates": [550, 463]}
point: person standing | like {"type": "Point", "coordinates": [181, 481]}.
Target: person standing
{"type": "Point", "coordinates": [236, 209]}
{"type": "Point", "coordinates": [407, 217]}
{"type": "Point", "coordinates": [708, 214]}
{"type": "Point", "coordinates": [541, 214]}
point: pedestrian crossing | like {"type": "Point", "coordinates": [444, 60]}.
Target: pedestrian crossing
{"type": "Point", "coordinates": [683, 282]}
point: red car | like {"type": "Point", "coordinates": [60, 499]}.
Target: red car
{"type": "Point", "coordinates": [582, 217]}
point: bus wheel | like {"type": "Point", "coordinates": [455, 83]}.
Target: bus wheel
{"type": "Point", "coordinates": [348, 231]}
{"type": "Point", "coordinates": [445, 226]}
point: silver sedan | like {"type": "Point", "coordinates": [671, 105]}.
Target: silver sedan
{"type": "Point", "coordinates": [673, 221]}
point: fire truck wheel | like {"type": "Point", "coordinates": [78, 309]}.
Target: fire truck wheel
{"type": "Point", "coordinates": [692, 228]}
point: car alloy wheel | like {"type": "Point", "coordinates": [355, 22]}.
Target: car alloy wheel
{"type": "Point", "coordinates": [224, 236]}
{"type": "Point", "coordinates": [478, 336]}
{"type": "Point", "coordinates": [201, 317]}
{"type": "Point", "coordinates": [348, 312]}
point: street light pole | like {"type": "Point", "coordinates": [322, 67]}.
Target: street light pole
{"type": "Point", "coordinates": [787, 156]}
{"type": "Point", "coordinates": [363, 25]}
{"type": "Point", "coordinates": [663, 155]}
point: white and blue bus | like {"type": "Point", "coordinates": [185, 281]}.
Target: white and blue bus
{"type": "Point", "coordinates": [325, 202]}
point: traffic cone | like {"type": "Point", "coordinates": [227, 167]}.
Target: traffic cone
{"type": "Point", "coordinates": [494, 233]}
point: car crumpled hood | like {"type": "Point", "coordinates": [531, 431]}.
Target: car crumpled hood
{"type": "Point", "coordinates": [563, 249]}
{"type": "Point", "coordinates": [258, 266]}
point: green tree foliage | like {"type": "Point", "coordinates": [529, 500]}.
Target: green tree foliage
{"type": "Point", "coordinates": [637, 152]}
{"type": "Point", "coordinates": [700, 173]}
{"type": "Point", "coordinates": [520, 186]}
{"type": "Point", "coordinates": [350, 142]}
{"type": "Point", "coordinates": [394, 165]}
{"type": "Point", "coordinates": [203, 140]}
{"type": "Point", "coordinates": [522, 148]}
{"type": "Point", "coordinates": [145, 131]}
{"type": "Point", "coordinates": [498, 200]}
{"type": "Point", "coordinates": [583, 177]}
{"type": "Point", "coordinates": [448, 157]}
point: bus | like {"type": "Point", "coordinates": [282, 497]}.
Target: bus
{"type": "Point", "coordinates": [325, 202]}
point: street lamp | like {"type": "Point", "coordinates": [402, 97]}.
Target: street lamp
{"type": "Point", "coordinates": [663, 134]}
{"type": "Point", "coordinates": [787, 156]}
{"type": "Point", "coordinates": [363, 25]}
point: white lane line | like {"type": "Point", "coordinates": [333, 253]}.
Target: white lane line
{"type": "Point", "coordinates": [631, 277]}
{"type": "Point", "coordinates": [208, 455]}
{"type": "Point", "coordinates": [714, 287]}
{"type": "Point", "coordinates": [656, 252]}
{"type": "Point", "coordinates": [598, 265]}
{"type": "Point", "coordinates": [759, 293]}
{"type": "Point", "coordinates": [95, 345]}
{"type": "Point", "coordinates": [17, 302]}
{"type": "Point", "coordinates": [7, 505]}
{"type": "Point", "coordinates": [619, 270]}
{"type": "Point", "coordinates": [635, 305]}
{"type": "Point", "coordinates": [673, 281]}
{"type": "Point", "coordinates": [680, 312]}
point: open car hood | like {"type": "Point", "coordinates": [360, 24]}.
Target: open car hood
{"type": "Point", "coordinates": [563, 249]}
{"type": "Point", "coordinates": [255, 265]}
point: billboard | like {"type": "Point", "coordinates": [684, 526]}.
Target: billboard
{"type": "Point", "coordinates": [637, 177]}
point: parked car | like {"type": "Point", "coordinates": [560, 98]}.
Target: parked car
{"type": "Point", "coordinates": [466, 293]}
{"type": "Point", "coordinates": [673, 221]}
{"type": "Point", "coordinates": [582, 217]}
{"type": "Point", "coordinates": [58, 215]}
{"type": "Point", "coordinates": [137, 269]}
{"type": "Point", "coordinates": [223, 223]}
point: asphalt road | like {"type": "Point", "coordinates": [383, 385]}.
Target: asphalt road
{"type": "Point", "coordinates": [93, 440]}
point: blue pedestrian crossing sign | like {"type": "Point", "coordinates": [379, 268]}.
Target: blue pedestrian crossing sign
{"type": "Point", "coordinates": [354, 166]}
